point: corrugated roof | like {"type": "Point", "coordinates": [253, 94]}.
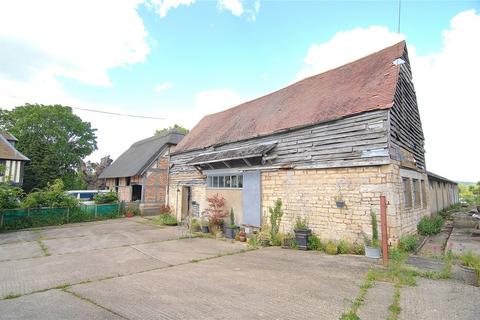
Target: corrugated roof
{"type": "Point", "coordinates": [360, 86]}
{"type": "Point", "coordinates": [8, 152]}
{"type": "Point", "coordinates": [233, 154]}
{"type": "Point", "coordinates": [140, 155]}
{"type": "Point", "coordinates": [434, 176]}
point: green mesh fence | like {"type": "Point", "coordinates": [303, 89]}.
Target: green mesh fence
{"type": "Point", "coordinates": [14, 219]}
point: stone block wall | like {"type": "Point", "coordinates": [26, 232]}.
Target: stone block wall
{"type": "Point", "coordinates": [313, 194]}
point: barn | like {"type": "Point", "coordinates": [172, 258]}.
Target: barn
{"type": "Point", "coordinates": [140, 174]}
{"type": "Point", "coordinates": [329, 146]}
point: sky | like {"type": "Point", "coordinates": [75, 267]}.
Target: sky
{"type": "Point", "coordinates": [179, 60]}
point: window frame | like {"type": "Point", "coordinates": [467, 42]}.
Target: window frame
{"type": "Point", "coordinates": [416, 191]}
{"type": "Point", "coordinates": [407, 193]}
{"type": "Point", "coordinates": [219, 181]}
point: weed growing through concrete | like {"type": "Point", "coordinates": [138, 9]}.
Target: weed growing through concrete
{"type": "Point", "coordinates": [12, 296]}
{"type": "Point", "coordinates": [43, 247]}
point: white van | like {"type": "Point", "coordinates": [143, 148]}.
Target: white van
{"type": "Point", "coordinates": [85, 196]}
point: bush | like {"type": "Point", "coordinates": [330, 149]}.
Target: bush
{"type": "Point", "coordinates": [168, 220]}
{"type": "Point", "coordinates": [108, 197]}
{"type": "Point", "coordinates": [275, 217]}
{"type": "Point", "coordinates": [358, 248]}
{"type": "Point", "coordinates": [408, 243]}
{"type": "Point", "coordinates": [10, 197]}
{"type": "Point", "coordinates": [430, 225]}
{"type": "Point", "coordinates": [314, 243]}
{"type": "Point", "coordinates": [215, 211]}
{"type": "Point", "coordinates": [264, 237]}
{"type": "Point", "coordinates": [195, 225]}
{"type": "Point", "coordinates": [331, 248]}
{"type": "Point", "coordinates": [252, 242]}
{"type": "Point", "coordinates": [344, 247]}
{"type": "Point", "coordinates": [278, 240]}
{"type": "Point", "coordinates": [52, 196]}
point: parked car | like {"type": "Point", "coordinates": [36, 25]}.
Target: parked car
{"type": "Point", "coordinates": [85, 196]}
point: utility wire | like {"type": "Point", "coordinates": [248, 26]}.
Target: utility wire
{"type": "Point", "coordinates": [118, 114]}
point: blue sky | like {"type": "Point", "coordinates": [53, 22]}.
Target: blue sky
{"type": "Point", "coordinates": [205, 56]}
{"type": "Point", "coordinates": [200, 47]}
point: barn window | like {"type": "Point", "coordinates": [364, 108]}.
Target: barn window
{"type": "Point", "coordinates": [407, 193]}
{"type": "Point", "coordinates": [424, 193]}
{"type": "Point", "coordinates": [225, 181]}
{"type": "Point", "coordinates": [416, 193]}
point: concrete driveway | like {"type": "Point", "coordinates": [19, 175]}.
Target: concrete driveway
{"type": "Point", "coordinates": [129, 269]}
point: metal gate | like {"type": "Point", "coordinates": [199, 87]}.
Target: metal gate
{"type": "Point", "coordinates": [251, 198]}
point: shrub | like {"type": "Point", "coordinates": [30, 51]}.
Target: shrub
{"type": "Point", "coordinates": [264, 237]}
{"type": "Point", "coordinates": [275, 217]}
{"type": "Point", "coordinates": [108, 197]}
{"type": "Point", "coordinates": [344, 247]}
{"type": "Point", "coordinates": [430, 225]}
{"type": "Point", "coordinates": [374, 229]}
{"type": "Point", "coordinates": [252, 242]}
{"type": "Point", "coordinates": [133, 209]}
{"type": "Point", "coordinates": [278, 240]}
{"type": "Point", "coordinates": [396, 254]}
{"type": "Point", "coordinates": [10, 197]}
{"type": "Point", "coordinates": [358, 248]}
{"type": "Point", "coordinates": [314, 243]}
{"type": "Point", "coordinates": [215, 211]}
{"type": "Point", "coordinates": [167, 220]}
{"type": "Point", "coordinates": [195, 225]}
{"type": "Point", "coordinates": [408, 243]}
{"type": "Point", "coordinates": [52, 196]}
{"type": "Point", "coordinates": [331, 248]}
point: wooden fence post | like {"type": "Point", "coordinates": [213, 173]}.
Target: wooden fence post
{"type": "Point", "coordinates": [383, 222]}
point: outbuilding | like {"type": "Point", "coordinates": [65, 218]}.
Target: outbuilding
{"type": "Point", "coordinates": [329, 146]}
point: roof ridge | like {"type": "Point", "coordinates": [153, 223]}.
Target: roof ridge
{"type": "Point", "coordinates": [315, 76]}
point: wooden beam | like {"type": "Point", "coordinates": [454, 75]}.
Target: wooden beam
{"type": "Point", "coordinates": [247, 162]}
{"type": "Point", "coordinates": [226, 164]}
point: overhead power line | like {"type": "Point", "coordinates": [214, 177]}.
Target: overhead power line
{"type": "Point", "coordinates": [119, 114]}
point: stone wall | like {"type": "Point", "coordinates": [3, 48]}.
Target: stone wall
{"type": "Point", "coordinates": [313, 194]}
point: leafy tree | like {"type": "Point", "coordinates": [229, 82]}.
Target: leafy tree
{"type": "Point", "coordinates": [52, 137]}
{"type": "Point", "coordinates": [51, 196]}
{"type": "Point", "coordinates": [175, 128]}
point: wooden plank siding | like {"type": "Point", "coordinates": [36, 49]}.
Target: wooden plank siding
{"type": "Point", "coordinates": [405, 126]}
{"type": "Point", "coordinates": [353, 141]}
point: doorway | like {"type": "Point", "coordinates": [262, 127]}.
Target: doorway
{"type": "Point", "coordinates": [136, 192]}
{"type": "Point", "coordinates": [186, 201]}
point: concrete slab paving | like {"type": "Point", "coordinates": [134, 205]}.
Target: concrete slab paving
{"type": "Point", "coordinates": [186, 250]}
{"type": "Point", "coordinates": [29, 275]}
{"type": "Point", "coordinates": [461, 241]}
{"type": "Point", "coordinates": [438, 300]}
{"type": "Point", "coordinates": [50, 305]}
{"type": "Point", "coordinates": [269, 283]}
{"type": "Point", "coordinates": [18, 236]}
{"type": "Point", "coordinates": [108, 240]}
{"type": "Point", "coordinates": [20, 250]}
{"type": "Point", "coordinates": [377, 301]}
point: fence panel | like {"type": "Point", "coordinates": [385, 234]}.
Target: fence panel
{"type": "Point", "coordinates": [14, 219]}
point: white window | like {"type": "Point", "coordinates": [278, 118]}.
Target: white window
{"type": "Point", "coordinates": [225, 181]}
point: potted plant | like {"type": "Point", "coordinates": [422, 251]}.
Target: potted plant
{"type": "Point", "coordinates": [302, 232]}
{"type": "Point", "coordinates": [131, 211]}
{"type": "Point", "coordinates": [340, 202]}
{"type": "Point", "coordinates": [372, 247]}
{"type": "Point", "coordinates": [264, 237]}
{"type": "Point", "coordinates": [231, 228]}
{"type": "Point", "coordinates": [204, 226]}
{"type": "Point", "coordinates": [242, 236]}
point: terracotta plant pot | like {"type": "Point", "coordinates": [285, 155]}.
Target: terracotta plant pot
{"type": "Point", "coordinates": [242, 236]}
{"type": "Point", "coordinates": [129, 214]}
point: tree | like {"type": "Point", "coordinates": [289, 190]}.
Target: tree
{"type": "Point", "coordinates": [90, 171]}
{"type": "Point", "coordinates": [175, 128]}
{"type": "Point", "coordinates": [53, 138]}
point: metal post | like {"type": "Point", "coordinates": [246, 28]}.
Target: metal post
{"type": "Point", "coordinates": [383, 222]}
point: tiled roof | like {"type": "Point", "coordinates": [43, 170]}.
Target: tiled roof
{"type": "Point", "coordinates": [8, 151]}
{"type": "Point", "coordinates": [363, 85]}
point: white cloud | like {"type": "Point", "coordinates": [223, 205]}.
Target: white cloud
{"type": "Point", "coordinates": [72, 39]}
{"type": "Point", "coordinates": [162, 6]}
{"type": "Point", "coordinates": [446, 84]}
{"type": "Point", "coordinates": [162, 87]}
{"type": "Point", "coordinates": [346, 46]}
{"type": "Point", "coordinates": [234, 6]}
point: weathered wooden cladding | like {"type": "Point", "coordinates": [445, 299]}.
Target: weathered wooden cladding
{"type": "Point", "coordinates": [349, 141]}
{"type": "Point", "coordinates": [405, 124]}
